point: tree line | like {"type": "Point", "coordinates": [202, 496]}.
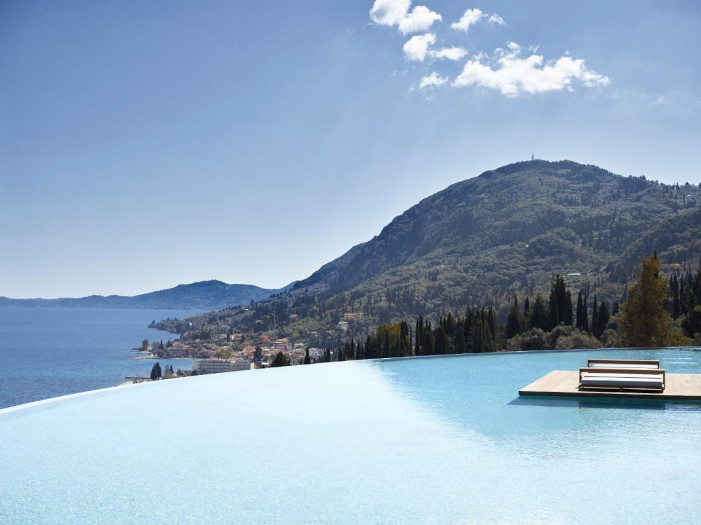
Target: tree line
{"type": "Point", "coordinates": [647, 318]}
{"type": "Point", "coordinates": [559, 312]}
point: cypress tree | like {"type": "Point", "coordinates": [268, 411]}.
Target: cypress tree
{"type": "Point", "coordinates": [441, 346]}
{"type": "Point", "coordinates": [418, 333]}
{"type": "Point", "coordinates": [449, 325]}
{"type": "Point", "coordinates": [404, 339]}
{"type": "Point", "coordinates": [370, 348]}
{"type": "Point", "coordinates": [282, 359]}
{"type": "Point", "coordinates": [553, 311]}
{"type": "Point", "coordinates": [492, 323]}
{"type": "Point", "coordinates": [478, 334]}
{"type": "Point", "coordinates": [568, 309]}
{"type": "Point", "coordinates": [539, 317]}
{"type": "Point", "coordinates": [676, 306]}
{"type": "Point", "coordinates": [482, 336]}
{"type": "Point", "coordinates": [513, 323]}
{"type": "Point", "coordinates": [427, 344]}
{"type": "Point", "coordinates": [581, 313]}
{"type": "Point", "coordinates": [683, 307]}
{"type": "Point", "coordinates": [561, 294]}
{"type": "Point", "coordinates": [467, 329]}
{"type": "Point", "coordinates": [595, 319]}
{"type": "Point", "coordinates": [603, 318]}
{"type": "Point", "coordinates": [460, 339]}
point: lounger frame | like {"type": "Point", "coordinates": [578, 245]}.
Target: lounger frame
{"type": "Point", "coordinates": [647, 364]}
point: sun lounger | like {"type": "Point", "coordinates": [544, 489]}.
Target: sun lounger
{"type": "Point", "coordinates": [648, 364]}
{"type": "Point", "coordinates": [599, 378]}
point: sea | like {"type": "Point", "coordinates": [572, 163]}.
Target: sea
{"type": "Point", "coordinates": [48, 352]}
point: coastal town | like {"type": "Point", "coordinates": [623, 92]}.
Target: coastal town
{"type": "Point", "coordinates": [228, 354]}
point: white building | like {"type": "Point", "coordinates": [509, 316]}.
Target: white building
{"type": "Point", "coordinates": [216, 366]}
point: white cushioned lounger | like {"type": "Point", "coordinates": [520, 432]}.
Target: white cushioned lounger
{"type": "Point", "coordinates": [622, 380]}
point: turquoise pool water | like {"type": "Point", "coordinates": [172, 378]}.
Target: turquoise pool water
{"type": "Point", "coordinates": [425, 440]}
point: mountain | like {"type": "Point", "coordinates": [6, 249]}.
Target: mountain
{"type": "Point", "coordinates": [204, 295]}
{"type": "Point", "coordinates": [515, 222]}
{"type": "Point", "coordinates": [481, 241]}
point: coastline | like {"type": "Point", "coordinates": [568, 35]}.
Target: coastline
{"type": "Point", "coordinates": [60, 351]}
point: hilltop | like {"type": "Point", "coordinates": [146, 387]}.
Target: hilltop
{"type": "Point", "coordinates": [481, 241]}
{"type": "Point", "coordinates": [204, 295]}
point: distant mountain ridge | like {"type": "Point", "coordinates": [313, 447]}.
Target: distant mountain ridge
{"type": "Point", "coordinates": [203, 295]}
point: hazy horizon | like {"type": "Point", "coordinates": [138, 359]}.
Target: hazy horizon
{"type": "Point", "coordinates": [146, 145]}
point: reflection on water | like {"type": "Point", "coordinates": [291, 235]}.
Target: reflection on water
{"type": "Point", "coordinates": [561, 401]}
{"type": "Point", "coordinates": [439, 440]}
{"type": "Point", "coordinates": [480, 392]}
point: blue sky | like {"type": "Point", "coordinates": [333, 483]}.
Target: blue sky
{"type": "Point", "coordinates": [147, 144]}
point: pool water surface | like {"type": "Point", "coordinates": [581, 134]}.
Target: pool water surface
{"type": "Point", "coordinates": [414, 440]}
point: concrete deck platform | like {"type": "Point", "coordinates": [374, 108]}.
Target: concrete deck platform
{"type": "Point", "coordinates": [566, 383]}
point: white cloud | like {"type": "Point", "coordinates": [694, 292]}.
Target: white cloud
{"type": "Point", "coordinates": [389, 12]}
{"type": "Point", "coordinates": [470, 17]}
{"type": "Point", "coordinates": [396, 13]}
{"type": "Point", "coordinates": [513, 75]}
{"type": "Point", "coordinates": [513, 47]}
{"type": "Point", "coordinates": [420, 19]}
{"type": "Point", "coordinates": [448, 53]}
{"type": "Point", "coordinates": [496, 19]}
{"type": "Point", "coordinates": [432, 80]}
{"type": "Point", "coordinates": [417, 46]}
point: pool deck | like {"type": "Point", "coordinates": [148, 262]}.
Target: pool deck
{"type": "Point", "coordinates": [566, 383]}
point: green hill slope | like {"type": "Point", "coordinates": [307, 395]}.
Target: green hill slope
{"type": "Point", "coordinates": [479, 242]}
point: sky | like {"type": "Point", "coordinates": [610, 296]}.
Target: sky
{"type": "Point", "coordinates": [144, 144]}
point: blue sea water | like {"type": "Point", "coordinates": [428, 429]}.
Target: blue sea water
{"type": "Point", "coordinates": [48, 352]}
{"type": "Point", "coordinates": [414, 440]}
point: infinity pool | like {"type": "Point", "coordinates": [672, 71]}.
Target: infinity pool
{"type": "Point", "coordinates": [424, 440]}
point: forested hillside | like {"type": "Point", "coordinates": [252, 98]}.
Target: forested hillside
{"type": "Point", "coordinates": [480, 243]}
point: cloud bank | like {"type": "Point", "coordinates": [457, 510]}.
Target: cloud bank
{"type": "Point", "coordinates": [505, 70]}
{"type": "Point", "coordinates": [513, 75]}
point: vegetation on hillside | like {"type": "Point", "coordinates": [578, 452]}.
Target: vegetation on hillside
{"type": "Point", "coordinates": [478, 245]}
{"type": "Point", "coordinates": [643, 321]}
